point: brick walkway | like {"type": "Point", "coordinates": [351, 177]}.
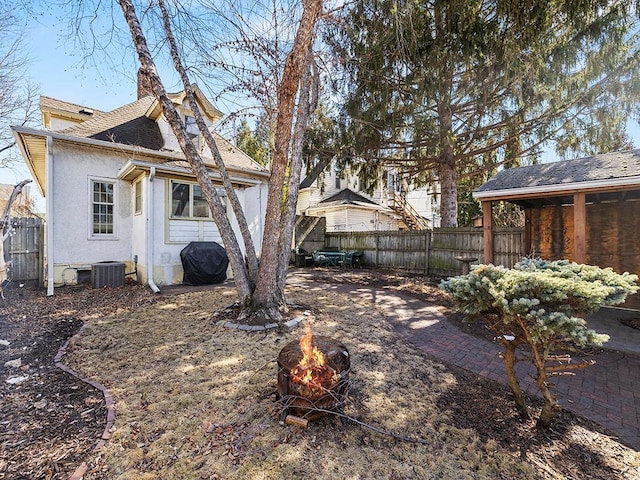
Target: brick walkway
{"type": "Point", "coordinates": [607, 393]}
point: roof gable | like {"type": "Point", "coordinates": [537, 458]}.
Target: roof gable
{"type": "Point", "coordinates": [346, 197]}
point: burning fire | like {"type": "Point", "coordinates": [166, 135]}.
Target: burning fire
{"type": "Point", "coordinates": [312, 369]}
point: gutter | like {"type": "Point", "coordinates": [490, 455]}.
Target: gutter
{"type": "Point", "coordinates": [150, 282]}
{"type": "Point", "coordinates": [564, 188]}
{"type": "Point", "coordinates": [124, 148]}
{"type": "Point", "coordinates": [49, 214]}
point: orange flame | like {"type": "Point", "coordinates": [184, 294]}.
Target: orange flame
{"type": "Point", "coordinates": [311, 367]}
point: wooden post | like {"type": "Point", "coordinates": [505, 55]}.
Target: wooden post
{"type": "Point", "coordinates": [528, 250]}
{"type": "Point", "coordinates": [487, 227]}
{"type": "Point", "coordinates": [579, 228]}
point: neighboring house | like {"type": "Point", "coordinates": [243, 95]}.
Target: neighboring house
{"type": "Point", "coordinates": [340, 197]}
{"type": "Point", "coordinates": [118, 188]}
{"type": "Point", "coordinates": [586, 210]}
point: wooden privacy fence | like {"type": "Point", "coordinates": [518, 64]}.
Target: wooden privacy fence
{"type": "Point", "coordinates": [24, 248]}
{"type": "Point", "coordinates": [430, 251]}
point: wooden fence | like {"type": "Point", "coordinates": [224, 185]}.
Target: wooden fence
{"type": "Point", "coordinates": [24, 248]}
{"type": "Point", "coordinates": [430, 251]}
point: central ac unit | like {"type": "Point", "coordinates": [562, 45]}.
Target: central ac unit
{"type": "Point", "coordinates": [107, 274]}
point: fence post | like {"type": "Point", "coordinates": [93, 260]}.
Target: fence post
{"type": "Point", "coordinates": [377, 248]}
{"type": "Point", "coordinates": [428, 252]}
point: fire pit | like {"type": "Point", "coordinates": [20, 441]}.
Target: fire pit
{"type": "Point", "coordinates": [313, 377]}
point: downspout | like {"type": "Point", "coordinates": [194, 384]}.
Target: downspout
{"type": "Point", "coordinates": [49, 214]}
{"type": "Point", "coordinates": [150, 282]}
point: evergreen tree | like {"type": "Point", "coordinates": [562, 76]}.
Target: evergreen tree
{"type": "Point", "coordinates": [452, 83]}
{"type": "Point", "coordinates": [541, 305]}
{"type": "Point", "coordinates": [252, 144]}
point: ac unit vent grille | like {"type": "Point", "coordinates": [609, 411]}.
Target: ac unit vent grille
{"type": "Point", "coordinates": [107, 274]}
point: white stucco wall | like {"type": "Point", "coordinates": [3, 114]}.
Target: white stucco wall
{"type": "Point", "coordinates": [167, 266]}
{"type": "Point", "coordinates": [74, 247]}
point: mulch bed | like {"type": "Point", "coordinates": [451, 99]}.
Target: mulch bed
{"type": "Point", "coordinates": [49, 420]}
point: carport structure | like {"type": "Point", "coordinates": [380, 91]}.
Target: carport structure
{"type": "Point", "coordinates": [585, 210]}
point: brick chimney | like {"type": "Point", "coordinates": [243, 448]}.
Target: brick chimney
{"type": "Point", "coordinates": [144, 88]}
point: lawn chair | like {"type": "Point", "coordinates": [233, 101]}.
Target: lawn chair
{"type": "Point", "coordinates": [320, 260]}
{"type": "Point", "coordinates": [303, 258]}
{"type": "Point", "coordinates": [347, 260]}
{"type": "Point", "coordinates": [357, 259]}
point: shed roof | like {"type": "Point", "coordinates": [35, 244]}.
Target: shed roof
{"type": "Point", "coordinates": [607, 172]}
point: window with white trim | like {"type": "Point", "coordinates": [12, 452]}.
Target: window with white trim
{"type": "Point", "coordinates": [192, 129]}
{"type": "Point", "coordinates": [137, 197]}
{"type": "Point", "coordinates": [188, 201]}
{"type": "Point", "coordinates": [103, 201]}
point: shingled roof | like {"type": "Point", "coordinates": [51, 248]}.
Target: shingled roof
{"type": "Point", "coordinates": [598, 171]}
{"type": "Point", "coordinates": [127, 124]}
{"type": "Point", "coordinates": [346, 197]}
{"type": "Point", "coordinates": [49, 103]}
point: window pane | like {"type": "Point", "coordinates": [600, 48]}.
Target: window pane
{"type": "Point", "coordinates": [137, 197]}
{"type": "Point", "coordinates": [200, 206]}
{"type": "Point", "coordinates": [180, 200]}
{"type": "Point", "coordinates": [103, 207]}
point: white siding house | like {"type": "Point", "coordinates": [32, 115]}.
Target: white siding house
{"type": "Point", "coordinates": [117, 188]}
{"type": "Point", "coordinates": [340, 198]}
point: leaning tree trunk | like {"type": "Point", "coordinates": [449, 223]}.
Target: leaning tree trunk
{"type": "Point", "coordinates": [250, 251]}
{"type": "Point", "coordinates": [190, 151]}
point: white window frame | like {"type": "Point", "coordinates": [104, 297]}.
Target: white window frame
{"type": "Point", "coordinates": [114, 205]}
{"type": "Point", "coordinates": [192, 129]}
{"type": "Point", "coordinates": [190, 206]}
{"type": "Point", "coordinates": [137, 199]}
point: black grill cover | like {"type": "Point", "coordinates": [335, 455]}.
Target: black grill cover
{"type": "Point", "coordinates": [204, 263]}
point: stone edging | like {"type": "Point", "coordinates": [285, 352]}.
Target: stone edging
{"type": "Point", "coordinates": [293, 323]}
{"type": "Point", "coordinates": [108, 400]}
{"type": "Point", "coordinates": [260, 328]}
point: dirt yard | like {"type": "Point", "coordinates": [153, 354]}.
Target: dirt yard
{"type": "Point", "coordinates": [195, 400]}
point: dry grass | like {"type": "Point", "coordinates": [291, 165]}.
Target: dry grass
{"type": "Point", "coordinates": [195, 400]}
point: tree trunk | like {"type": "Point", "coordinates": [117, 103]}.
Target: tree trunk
{"type": "Point", "coordinates": [448, 193]}
{"type": "Point", "coordinates": [268, 296]}
{"type": "Point", "coordinates": [190, 151]}
{"type": "Point", "coordinates": [250, 251]}
{"type": "Point", "coordinates": [293, 185]}
{"type": "Point", "coordinates": [510, 361]}
{"type": "Point", "coordinates": [261, 300]}
{"type": "Point", "coordinates": [550, 407]}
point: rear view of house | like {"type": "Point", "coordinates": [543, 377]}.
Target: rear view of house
{"type": "Point", "coordinates": [118, 188]}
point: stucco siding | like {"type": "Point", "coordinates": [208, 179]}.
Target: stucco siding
{"type": "Point", "coordinates": [74, 245]}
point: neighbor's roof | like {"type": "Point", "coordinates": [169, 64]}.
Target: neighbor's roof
{"type": "Point", "coordinates": [345, 198]}
{"type": "Point", "coordinates": [605, 172]}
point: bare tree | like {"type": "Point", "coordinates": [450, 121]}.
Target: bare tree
{"type": "Point", "coordinates": [261, 288]}
{"type": "Point", "coordinates": [17, 95]}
